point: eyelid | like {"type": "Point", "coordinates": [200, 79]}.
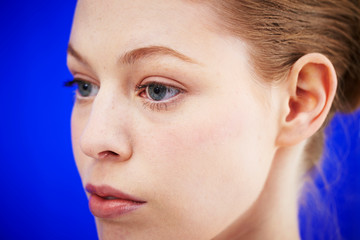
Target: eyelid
{"type": "Point", "coordinates": [143, 87]}
{"type": "Point", "coordinates": [162, 81]}
{"type": "Point", "coordinates": [76, 80]}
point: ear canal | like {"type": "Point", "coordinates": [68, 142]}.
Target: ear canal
{"type": "Point", "coordinates": [303, 101]}
{"type": "Point", "coordinates": [294, 109]}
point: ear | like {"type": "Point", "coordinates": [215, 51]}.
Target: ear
{"type": "Point", "coordinates": [311, 87]}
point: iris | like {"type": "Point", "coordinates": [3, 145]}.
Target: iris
{"type": "Point", "coordinates": [84, 88]}
{"type": "Point", "coordinates": [158, 92]}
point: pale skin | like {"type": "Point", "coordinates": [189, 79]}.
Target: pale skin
{"type": "Point", "coordinates": [218, 159]}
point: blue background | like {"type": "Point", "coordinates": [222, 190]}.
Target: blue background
{"type": "Point", "coordinates": [41, 193]}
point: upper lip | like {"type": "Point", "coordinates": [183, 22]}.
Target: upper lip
{"type": "Point", "coordinates": [106, 191]}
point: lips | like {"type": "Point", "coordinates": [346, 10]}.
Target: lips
{"type": "Point", "coordinates": [107, 202]}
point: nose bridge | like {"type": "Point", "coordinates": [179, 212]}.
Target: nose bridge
{"type": "Point", "coordinates": [107, 130]}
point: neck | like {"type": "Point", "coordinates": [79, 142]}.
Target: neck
{"type": "Point", "coordinates": [275, 213]}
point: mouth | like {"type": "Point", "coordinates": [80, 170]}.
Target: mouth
{"type": "Point", "coordinates": [108, 202]}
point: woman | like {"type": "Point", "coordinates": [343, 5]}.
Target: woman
{"type": "Point", "coordinates": [200, 119]}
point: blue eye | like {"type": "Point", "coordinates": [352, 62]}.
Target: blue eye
{"type": "Point", "coordinates": [159, 92]}
{"type": "Point", "coordinates": [84, 89]}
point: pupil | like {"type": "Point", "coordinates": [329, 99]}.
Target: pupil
{"type": "Point", "coordinates": [84, 89]}
{"type": "Point", "coordinates": [157, 92]}
{"type": "Point", "coordinates": [85, 86]}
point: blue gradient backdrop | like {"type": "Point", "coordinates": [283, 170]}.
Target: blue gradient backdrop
{"type": "Point", "coordinates": [41, 193]}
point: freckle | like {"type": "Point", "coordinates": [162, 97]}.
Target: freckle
{"type": "Point", "coordinates": [259, 137]}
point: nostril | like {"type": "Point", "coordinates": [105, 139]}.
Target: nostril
{"type": "Point", "coordinates": [106, 154]}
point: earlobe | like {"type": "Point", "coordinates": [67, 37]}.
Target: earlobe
{"type": "Point", "coordinates": [312, 86]}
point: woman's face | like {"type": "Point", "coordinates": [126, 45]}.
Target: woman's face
{"type": "Point", "coordinates": [171, 115]}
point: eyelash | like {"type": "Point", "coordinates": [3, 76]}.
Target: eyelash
{"type": "Point", "coordinates": [141, 89]}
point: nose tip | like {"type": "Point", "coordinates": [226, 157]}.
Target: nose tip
{"type": "Point", "coordinates": [116, 148]}
{"type": "Point", "coordinates": [101, 140]}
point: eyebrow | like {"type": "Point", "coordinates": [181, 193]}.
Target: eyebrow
{"type": "Point", "coordinates": [138, 54]}
{"type": "Point", "coordinates": [135, 55]}
{"type": "Point", "coordinates": [71, 51]}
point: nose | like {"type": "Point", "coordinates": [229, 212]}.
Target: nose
{"type": "Point", "coordinates": [106, 135]}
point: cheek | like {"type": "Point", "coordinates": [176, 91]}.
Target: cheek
{"type": "Point", "coordinates": [223, 141]}
{"type": "Point", "coordinates": [216, 156]}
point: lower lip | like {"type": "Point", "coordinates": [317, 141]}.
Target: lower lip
{"type": "Point", "coordinates": [104, 208]}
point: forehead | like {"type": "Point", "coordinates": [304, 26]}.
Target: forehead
{"type": "Point", "coordinates": [104, 30]}
{"type": "Point", "coordinates": [139, 22]}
